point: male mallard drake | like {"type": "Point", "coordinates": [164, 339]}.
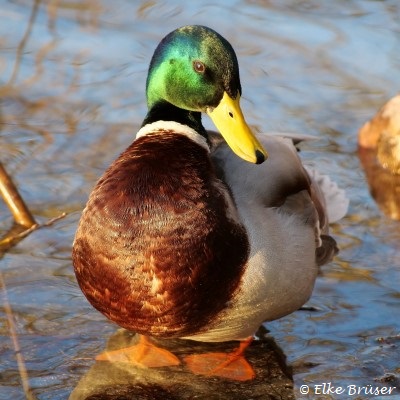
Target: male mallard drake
{"type": "Point", "coordinates": [181, 240]}
{"type": "Point", "coordinates": [379, 151]}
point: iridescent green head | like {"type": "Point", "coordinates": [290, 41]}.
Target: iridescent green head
{"type": "Point", "coordinates": [191, 68]}
{"type": "Point", "coordinates": [196, 69]}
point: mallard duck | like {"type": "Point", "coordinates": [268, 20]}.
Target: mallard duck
{"type": "Point", "coordinates": [379, 151]}
{"type": "Point", "coordinates": [188, 235]}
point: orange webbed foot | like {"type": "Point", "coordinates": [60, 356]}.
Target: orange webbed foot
{"type": "Point", "coordinates": [225, 365]}
{"type": "Point", "coordinates": [142, 354]}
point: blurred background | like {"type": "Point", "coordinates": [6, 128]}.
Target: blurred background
{"type": "Point", "coordinates": [72, 80]}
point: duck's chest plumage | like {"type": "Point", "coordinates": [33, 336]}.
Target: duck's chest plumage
{"type": "Point", "coordinates": [158, 249]}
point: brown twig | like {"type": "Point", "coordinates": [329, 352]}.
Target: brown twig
{"type": "Point", "coordinates": [12, 238]}
{"type": "Point", "coordinates": [14, 201]}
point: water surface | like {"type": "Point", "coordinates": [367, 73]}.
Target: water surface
{"type": "Point", "coordinates": [72, 96]}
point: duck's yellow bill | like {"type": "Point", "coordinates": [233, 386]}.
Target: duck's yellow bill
{"type": "Point", "coordinates": [229, 120]}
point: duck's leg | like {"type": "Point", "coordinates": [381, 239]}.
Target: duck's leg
{"type": "Point", "coordinates": [226, 365]}
{"type": "Point", "coordinates": [142, 354]}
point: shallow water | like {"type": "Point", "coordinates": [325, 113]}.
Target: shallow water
{"type": "Point", "coordinates": [72, 96]}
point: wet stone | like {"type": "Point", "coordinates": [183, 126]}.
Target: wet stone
{"type": "Point", "coordinates": [121, 380]}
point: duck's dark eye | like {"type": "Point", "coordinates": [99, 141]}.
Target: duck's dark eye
{"type": "Point", "coordinates": [199, 67]}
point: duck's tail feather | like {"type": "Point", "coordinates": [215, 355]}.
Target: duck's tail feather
{"type": "Point", "coordinates": [336, 201]}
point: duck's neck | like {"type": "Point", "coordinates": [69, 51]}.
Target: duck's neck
{"type": "Point", "coordinates": [164, 111]}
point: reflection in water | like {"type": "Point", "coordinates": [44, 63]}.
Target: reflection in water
{"type": "Point", "coordinates": [379, 152]}
{"type": "Point", "coordinates": [73, 105]}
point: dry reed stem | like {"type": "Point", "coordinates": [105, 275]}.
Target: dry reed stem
{"type": "Point", "coordinates": [14, 337]}
{"type": "Point", "coordinates": [14, 201]}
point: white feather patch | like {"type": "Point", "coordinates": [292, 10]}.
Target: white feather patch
{"type": "Point", "coordinates": [174, 127]}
